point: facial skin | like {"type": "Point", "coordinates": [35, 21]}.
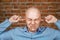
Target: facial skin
{"type": "Point", "coordinates": [33, 19]}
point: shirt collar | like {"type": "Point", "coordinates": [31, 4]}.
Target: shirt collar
{"type": "Point", "coordinates": [40, 29]}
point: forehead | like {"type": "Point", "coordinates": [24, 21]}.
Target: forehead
{"type": "Point", "coordinates": [32, 13]}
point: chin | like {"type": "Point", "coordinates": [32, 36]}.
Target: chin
{"type": "Point", "coordinates": [33, 29]}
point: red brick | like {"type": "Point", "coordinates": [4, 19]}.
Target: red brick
{"type": "Point", "coordinates": [8, 14]}
{"type": "Point", "coordinates": [2, 18]}
{"type": "Point", "coordinates": [57, 0]}
{"type": "Point", "coordinates": [30, 4]}
{"type": "Point", "coordinates": [43, 0]}
{"type": "Point", "coordinates": [6, 0]}
{"type": "Point", "coordinates": [22, 0]}
{"type": "Point", "coordinates": [1, 14]}
{"type": "Point", "coordinates": [44, 6]}
{"type": "Point", "coordinates": [14, 0]}
{"type": "Point", "coordinates": [44, 11]}
{"type": "Point", "coordinates": [22, 7]}
{"type": "Point", "coordinates": [52, 6]}
{"type": "Point", "coordinates": [8, 7]}
{"type": "Point", "coordinates": [30, 0]}
{"type": "Point", "coordinates": [52, 10]}
{"type": "Point", "coordinates": [58, 6]}
{"type": "Point", "coordinates": [51, 0]}
{"type": "Point", "coordinates": [16, 5]}
{"type": "Point", "coordinates": [15, 11]}
{"type": "Point", "coordinates": [36, 0]}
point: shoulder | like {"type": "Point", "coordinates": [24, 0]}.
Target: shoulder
{"type": "Point", "coordinates": [52, 31]}
{"type": "Point", "coordinates": [19, 29]}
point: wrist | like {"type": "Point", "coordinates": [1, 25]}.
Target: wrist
{"type": "Point", "coordinates": [55, 20]}
{"type": "Point", "coordinates": [10, 21]}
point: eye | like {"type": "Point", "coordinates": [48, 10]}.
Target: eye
{"type": "Point", "coordinates": [36, 19]}
{"type": "Point", "coordinates": [29, 19]}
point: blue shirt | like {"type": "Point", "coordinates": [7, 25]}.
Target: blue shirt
{"type": "Point", "coordinates": [21, 33]}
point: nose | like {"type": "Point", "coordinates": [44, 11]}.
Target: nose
{"type": "Point", "coordinates": [33, 22]}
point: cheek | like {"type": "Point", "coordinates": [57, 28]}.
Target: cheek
{"type": "Point", "coordinates": [37, 22]}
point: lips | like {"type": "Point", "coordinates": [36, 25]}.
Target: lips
{"type": "Point", "coordinates": [33, 26]}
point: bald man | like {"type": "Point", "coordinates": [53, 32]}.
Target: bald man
{"type": "Point", "coordinates": [33, 30]}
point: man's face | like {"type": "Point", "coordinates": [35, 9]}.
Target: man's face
{"type": "Point", "coordinates": [33, 19]}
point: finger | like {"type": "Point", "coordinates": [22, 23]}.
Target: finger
{"type": "Point", "coordinates": [48, 18]}
{"type": "Point", "coordinates": [47, 21]}
{"type": "Point", "coordinates": [15, 17]}
{"type": "Point", "coordinates": [21, 19]}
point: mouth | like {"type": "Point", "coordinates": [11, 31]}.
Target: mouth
{"type": "Point", "coordinates": [33, 27]}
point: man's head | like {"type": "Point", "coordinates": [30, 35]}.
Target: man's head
{"type": "Point", "coordinates": [33, 19]}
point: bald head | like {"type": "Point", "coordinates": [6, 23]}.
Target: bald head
{"type": "Point", "coordinates": [33, 11]}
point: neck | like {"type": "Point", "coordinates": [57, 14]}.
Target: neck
{"type": "Point", "coordinates": [31, 30]}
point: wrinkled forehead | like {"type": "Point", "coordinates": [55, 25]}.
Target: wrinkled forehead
{"type": "Point", "coordinates": [33, 12]}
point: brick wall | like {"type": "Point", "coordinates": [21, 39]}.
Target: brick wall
{"type": "Point", "coordinates": [18, 7]}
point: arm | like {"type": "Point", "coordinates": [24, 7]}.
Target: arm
{"type": "Point", "coordinates": [4, 25]}
{"type": "Point", "coordinates": [53, 19]}
{"type": "Point", "coordinates": [57, 24]}
{"type": "Point", "coordinates": [7, 35]}
{"type": "Point", "coordinates": [8, 22]}
{"type": "Point", "coordinates": [57, 35]}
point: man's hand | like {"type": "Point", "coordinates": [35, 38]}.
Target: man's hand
{"type": "Point", "coordinates": [14, 18]}
{"type": "Point", "coordinates": [50, 19]}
